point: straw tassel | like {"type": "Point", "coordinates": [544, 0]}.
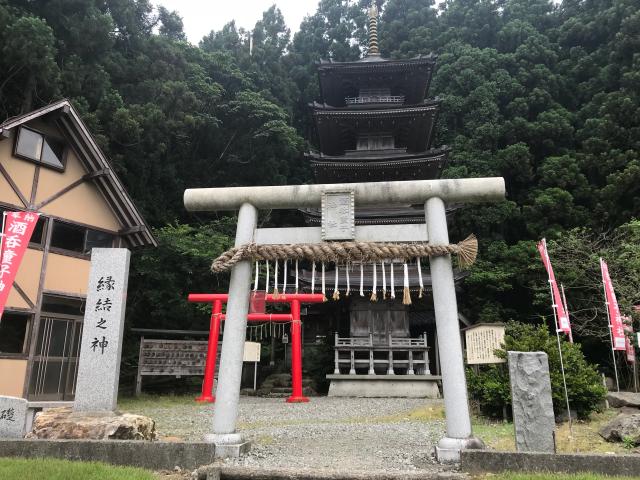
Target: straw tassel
{"type": "Point", "coordinates": [336, 292]}
{"type": "Point", "coordinates": [275, 282]}
{"type": "Point", "coordinates": [406, 294]}
{"type": "Point", "coordinates": [324, 293]}
{"type": "Point", "coordinates": [266, 287]}
{"type": "Point", "coordinates": [384, 282]}
{"type": "Point", "coordinates": [284, 281]}
{"type": "Point", "coordinates": [255, 281]}
{"type": "Point", "coordinates": [313, 277]}
{"type": "Point", "coordinates": [393, 287]}
{"type": "Point", "coordinates": [346, 269]}
{"type": "Point", "coordinates": [418, 261]}
{"type": "Point", "coordinates": [467, 251]}
{"type": "Point", "coordinates": [374, 296]}
{"type": "Point", "coordinates": [296, 276]}
{"type": "Point", "coordinates": [361, 280]}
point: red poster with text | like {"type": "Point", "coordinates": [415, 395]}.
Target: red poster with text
{"type": "Point", "coordinates": [618, 338]}
{"type": "Point", "coordinates": [563, 319]}
{"type": "Point", "coordinates": [18, 227]}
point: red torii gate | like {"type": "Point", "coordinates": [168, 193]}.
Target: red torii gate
{"type": "Point", "coordinates": [294, 300]}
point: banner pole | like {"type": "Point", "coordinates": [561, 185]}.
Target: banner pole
{"type": "Point", "coordinates": [566, 310]}
{"type": "Point", "coordinates": [613, 352]}
{"type": "Point", "coordinates": [564, 379]}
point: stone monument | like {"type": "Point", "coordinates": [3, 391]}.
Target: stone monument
{"type": "Point", "coordinates": [13, 416]}
{"type": "Point", "coordinates": [101, 345]}
{"type": "Point", "coordinates": [533, 417]}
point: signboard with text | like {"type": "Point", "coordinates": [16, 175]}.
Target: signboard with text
{"type": "Point", "coordinates": [482, 341]}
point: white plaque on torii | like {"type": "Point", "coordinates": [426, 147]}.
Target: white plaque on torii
{"type": "Point", "coordinates": [338, 216]}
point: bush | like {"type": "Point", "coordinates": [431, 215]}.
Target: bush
{"type": "Point", "coordinates": [489, 386]}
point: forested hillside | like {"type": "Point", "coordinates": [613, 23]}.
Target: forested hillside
{"type": "Point", "coordinates": [546, 95]}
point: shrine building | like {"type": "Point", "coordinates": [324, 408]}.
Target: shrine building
{"type": "Point", "coordinates": [50, 164]}
{"type": "Point", "coordinates": [374, 122]}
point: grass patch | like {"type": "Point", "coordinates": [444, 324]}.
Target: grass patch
{"type": "Point", "coordinates": [584, 438]}
{"type": "Point", "coordinates": [552, 476]}
{"type": "Point", "coordinates": [146, 402]}
{"type": "Point", "coordinates": [495, 434]}
{"type": "Point", "coordinates": [50, 469]}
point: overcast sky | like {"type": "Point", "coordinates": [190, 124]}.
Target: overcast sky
{"type": "Point", "coordinates": [202, 16]}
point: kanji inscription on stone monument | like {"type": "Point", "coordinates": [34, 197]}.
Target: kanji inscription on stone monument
{"type": "Point", "coordinates": [101, 346]}
{"type": "Point", "coordinates": [13, 413]}
{"type": "Point", "coordinates": [338, 218]}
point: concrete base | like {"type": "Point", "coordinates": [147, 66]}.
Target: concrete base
{"type": "Point", "coordinates": [135, 453]}
{"type": "Point", "coordinates": [232, 450]}
{"type": "Point", "coordinates": [448, 449]}
{"type": "Point", "coordinates": [479, 462]}
{"type": "Point", "coordinates": [384, 386]}
{"type": "Point", "coordinates": [228, 445]}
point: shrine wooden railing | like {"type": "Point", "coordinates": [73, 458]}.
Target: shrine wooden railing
{"type": "Point", "coordinates": [374, 99]}
{"type": "Point", "coordinates": [358, 353]}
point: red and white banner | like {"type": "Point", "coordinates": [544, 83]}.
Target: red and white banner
{"type": "Point", "coordinates": [561, 315]}
{"type": "Point", "coordinates": [629, 337]}
{"type": "Point", "coordinates": [615, 319]}
{"type": "Point", "coordinates": [16, 233]}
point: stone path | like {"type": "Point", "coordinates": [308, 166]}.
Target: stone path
{"type": "Point", "coordinates": [327, 433]}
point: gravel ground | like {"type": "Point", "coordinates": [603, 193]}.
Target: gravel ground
{"type": "Point", "coordinates": [328, 433]}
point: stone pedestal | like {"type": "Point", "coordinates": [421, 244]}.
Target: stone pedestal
{"type": "Point", "coordinates": [13, 416]}
{"type": "Point", "coordinates": [533, 416]}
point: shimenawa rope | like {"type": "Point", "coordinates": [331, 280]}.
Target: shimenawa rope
{"type": "Point", "coordinates": [343, 252]}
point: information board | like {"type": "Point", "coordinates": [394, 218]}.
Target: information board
{"type": "Point", "coordinates": [482, 341]}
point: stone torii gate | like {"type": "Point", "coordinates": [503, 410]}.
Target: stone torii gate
{"type": "Point", "coordinates": [338, 202]}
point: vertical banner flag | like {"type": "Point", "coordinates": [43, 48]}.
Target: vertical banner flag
{"type": "Point", "coordinates": [615, 320]}
{"type": "Point", "coordinates": [628, 339]}
{"type": "Point", "coordinates": [16, 233]}
{"type": "Point", "coordinates": [563, 318]}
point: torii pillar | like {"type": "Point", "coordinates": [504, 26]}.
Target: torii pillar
{"type": "Point", "coordinates": [433, 194]}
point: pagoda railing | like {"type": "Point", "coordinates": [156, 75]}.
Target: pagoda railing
{"type": "Point", "coordinates": [374, 99]}
{"type": "Point", "coordinates": [410, 354]}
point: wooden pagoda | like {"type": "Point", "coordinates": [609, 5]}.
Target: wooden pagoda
{"type": "Point", "coordinates": [374, 122]}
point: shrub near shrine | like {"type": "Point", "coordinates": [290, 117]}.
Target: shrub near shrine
{"type": "Point", "coordinates": [490, 386]}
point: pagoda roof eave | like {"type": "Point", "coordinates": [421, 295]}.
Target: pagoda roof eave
{"type": "Point", "coordinates": [378, 63]}
{"type": "Point", "coordinates": [376, 108]}
{"type": "Point", "coordinates": [428, 155]}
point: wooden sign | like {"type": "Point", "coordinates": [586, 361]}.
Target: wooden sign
{"type": "Point", "coordinates": [482, 341]}
{"type": "Point", "coordinates": [181, 357]}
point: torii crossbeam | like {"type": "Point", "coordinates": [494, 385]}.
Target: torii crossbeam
{"type": "Point", "coordinates": [432, 193]}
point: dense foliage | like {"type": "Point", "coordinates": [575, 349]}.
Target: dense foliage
{"type": "Point", "coordinates": [489, 385]}
{"type": "Point", "coordinates": [546, 95]}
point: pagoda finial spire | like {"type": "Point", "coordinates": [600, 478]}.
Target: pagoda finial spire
{"type": "Point", "coordinates": [373, 30]}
